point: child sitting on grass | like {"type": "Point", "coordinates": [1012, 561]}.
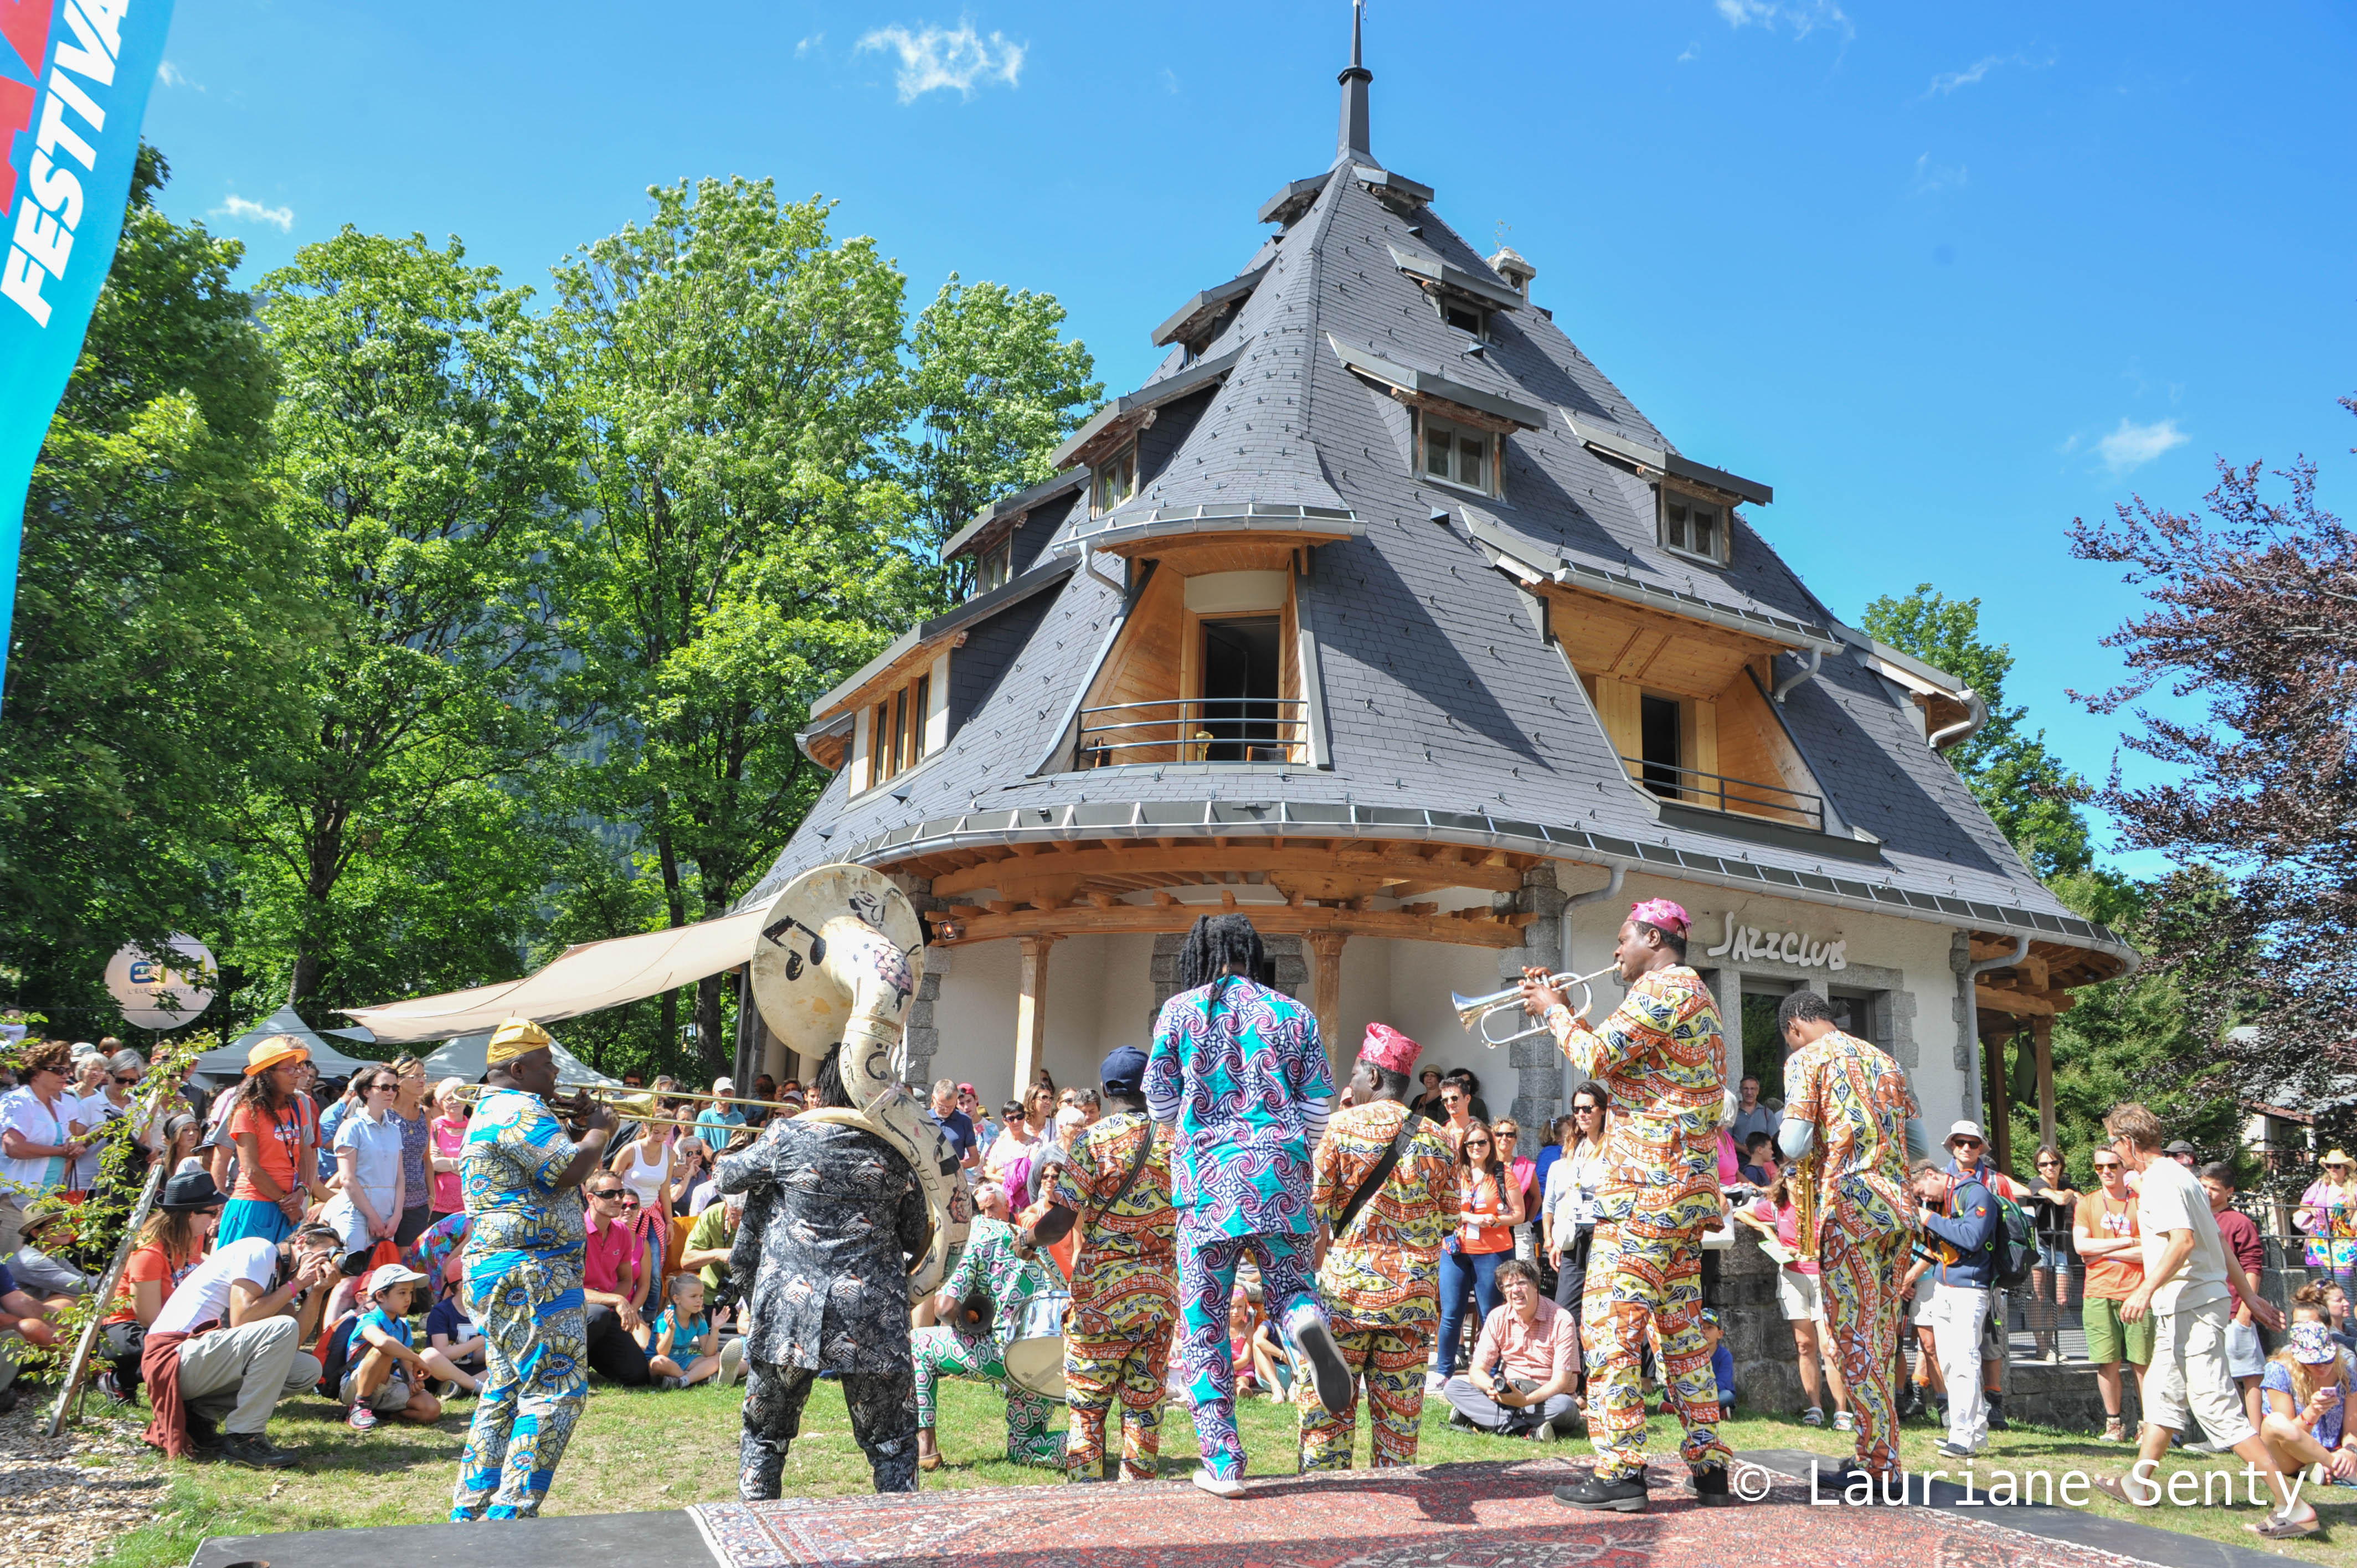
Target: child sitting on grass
{"type": "Point", "coordinates": [381, 1373]}
{"type": "Point", "coordinates": [682, 1331]}
{"type": "Point", "coordinates": [455, 1353]}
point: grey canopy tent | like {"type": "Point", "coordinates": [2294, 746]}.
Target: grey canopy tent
{"type": "Point", "coordinates": [464, 1057]}
{"type": "Point", "coordinates": [226, 1063]}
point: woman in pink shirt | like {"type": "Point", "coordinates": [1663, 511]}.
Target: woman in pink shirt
{"type": "Point", "coordinates": [447, 1135]}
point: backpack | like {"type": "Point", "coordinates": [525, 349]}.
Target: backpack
{"type": "Point", "coordinates": [2016, 1242]}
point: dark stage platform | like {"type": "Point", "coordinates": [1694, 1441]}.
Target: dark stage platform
{"type": "Point", "coordinates": [1467, 1516]}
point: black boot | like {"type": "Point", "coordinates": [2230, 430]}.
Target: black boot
{"type": "Point", "coordinates": [1996, 1414]}
{"type": "Point", "coordinates": [1625, 1496]}
{"type": "Point", "coordinates": [1710, 1487]}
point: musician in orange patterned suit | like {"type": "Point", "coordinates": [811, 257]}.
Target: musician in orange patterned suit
{"type": "Point", "coordinates": [1379, 1277]}
{"type": "Point", "coordinates": [1116, 1186]}
{"type": "Point", "coordinates": [1662, 1059]}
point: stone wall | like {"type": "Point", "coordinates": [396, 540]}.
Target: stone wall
{"type": "Point", "coordinates": [1537, 1063]}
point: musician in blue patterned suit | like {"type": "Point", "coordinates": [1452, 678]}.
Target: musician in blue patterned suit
{"type": "Point", "coordinates": [1240, 1071]}
{"type": "Point", "coordinates": [832, 1216]}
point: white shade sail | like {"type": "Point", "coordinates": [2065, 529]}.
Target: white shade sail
{"type": "Point", "coordinates": [580, 980]}
{"type": "Point", "coordinates": [228, 1060]}
{"type": "Point", "coordinates": [466, 1056]}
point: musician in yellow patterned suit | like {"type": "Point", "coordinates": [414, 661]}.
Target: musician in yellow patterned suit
{"type": "Point", "coordinates": [1662, 1058]}
{"type": "Point", "coordinates": [1116, 1186]}
{"type": "Point", "coordinates": [1379, 1277]}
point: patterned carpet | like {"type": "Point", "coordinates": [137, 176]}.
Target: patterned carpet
{"type": "Point", "coordinates": [1448, 1515]}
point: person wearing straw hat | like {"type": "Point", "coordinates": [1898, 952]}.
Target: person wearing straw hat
{"type": "Point", "coordinates": [275, 1132]}
{"type": "Point", "coordinates": [1662, 1058]}
{"type": "Point", "coordinates": [2327, 1216]}
{"type": "Point", "coordinates": [1386, 1194]}
{"type": "Point", "coordinates": [522, 1181]}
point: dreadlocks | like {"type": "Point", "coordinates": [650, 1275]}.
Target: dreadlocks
{"type": "Point", "coordinates": [1217, 944]}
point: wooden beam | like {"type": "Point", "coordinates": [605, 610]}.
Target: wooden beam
{"type": "Point", "coordinates": [1326, 1000]}
{"type": "Point", "coordinates": [2041, 1031]}
{"type": "Point", "coordinates": [1500, 873]}
{"type": "Point", "coordinates": [1031, 1010]}
{"type": "Point", "coordinates": [1481, 930]}
{"type": "Point", "coordinates": [2021, 1004]}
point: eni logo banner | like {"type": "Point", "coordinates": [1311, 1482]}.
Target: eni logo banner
{"type": "Point", "coordinates": [1750, 944]}
{"type": "Point", "coordinates": [74, 76]}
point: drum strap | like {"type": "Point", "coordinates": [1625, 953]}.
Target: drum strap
{"type": "Point", "coordinates": [1136, 1169]}
{"type": "Point", "coordinates": [1381, 1173]}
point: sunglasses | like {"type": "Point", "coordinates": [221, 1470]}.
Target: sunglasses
{"type": "Point", "coordinates": [1477, 1142]}
{"type": "Point", "coordinates": [610, 1193]}
{"type": "Point", "coordinates": [126, 1078]}
{"type": "Point", "coordinates": [2107, 1164]}
{"type": "Point", "coordinates": [1965, 1143]}
{"type": "Point", "coordinates": [383, 1088]}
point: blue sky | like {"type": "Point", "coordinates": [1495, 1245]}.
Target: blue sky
{"type": "Point", "coordinates": [1946, 277]}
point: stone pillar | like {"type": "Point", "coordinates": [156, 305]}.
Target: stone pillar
{"type": "Point", "coordinates": [921, 1035]}
{"type": "Point", "coordinates": [1031, 1010]}
{"type": "Point", "coordinates": [1967, 1058]}
{"type": "Point", "coordinates": [1539, 1092]}
{"type": "Point", "coordinates": [2041, 1031]}
{"type": "Point", "coordinates": [1325, 1001]}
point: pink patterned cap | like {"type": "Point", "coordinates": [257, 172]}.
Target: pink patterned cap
{"type": "Point", "coordinates": [1389, 1049]}
{"type": "Point", "coordinates": [1661, 913]}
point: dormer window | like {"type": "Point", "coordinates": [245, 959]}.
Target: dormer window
{"type": "Point", "coordinates": [1459, 454]}
{"type": "Point", "coordinates": [896, 726]}
{"type": "Point", "coordinates": [1463, 316]}
{"type": "Point", "coordinates": [1116, 480]}
{"type": "Point", "coordinates": [1692, 526]}
{"type": "Point", "coordinates": [996, 566]}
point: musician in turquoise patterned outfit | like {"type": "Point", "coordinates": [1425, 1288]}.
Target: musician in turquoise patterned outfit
{"type": "Point", "coordinates": [992, 1269]}
{"type": "Point", "coordinates": [522, 1178]}
{"type": "Point", "coordinates": [1238, 1068]}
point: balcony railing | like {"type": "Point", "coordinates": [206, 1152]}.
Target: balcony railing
{"type": "Point", "coordinates": [1195, 729]}
{"type": "Point", "coordinates": [1716, 792]}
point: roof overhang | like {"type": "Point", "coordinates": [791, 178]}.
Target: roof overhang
{"type": "Point", "coordinates": [1536, 561]}
{"type": "Point", "coordinates": [828, 743]}
{"type": "Point", "coordinates": [1398, 192]}
{"type": "Point", "coordinates": [1296, 197]}
{"type": "Point", "coordinates": [1001, 517]}
{"type": "Point", "coordinates": [919, 643]}
{"type": "Point", "coordinates": [1124, 414]}
{"type": "Point", "coordinates": [1438, 276]}
{"type": "Point", "coordinates": [1430, 386]}
{"type": "Point", "coordinates": [1193, 319]}
{"type": "Point", "coordinates": [1137, 532]}
{"type": "Point", "coordinates": [1607, 442]}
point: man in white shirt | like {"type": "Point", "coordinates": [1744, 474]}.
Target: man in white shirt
{"type": "Point", "coordinates": [231, 1376]}
{"type": "Point", "coordinates": [2189, 1283]}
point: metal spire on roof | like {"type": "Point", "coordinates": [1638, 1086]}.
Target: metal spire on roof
{"type": "Point", "coordinates": [1353, 141]}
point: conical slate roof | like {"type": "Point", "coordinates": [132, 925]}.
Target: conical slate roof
{"type": "Point", "coordinates": [1444, 712]}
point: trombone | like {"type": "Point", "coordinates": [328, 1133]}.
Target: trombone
{"type": "Point", "coordinates": [1475, 1011]}
{"type": "Point", "coordinates": [632, 1104]}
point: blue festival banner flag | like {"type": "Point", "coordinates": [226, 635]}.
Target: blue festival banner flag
{"type": "Point", "coordinates": [74, 76]}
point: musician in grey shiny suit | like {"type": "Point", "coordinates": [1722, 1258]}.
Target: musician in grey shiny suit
{"type": "Point", "coordinates": [831, 1217]}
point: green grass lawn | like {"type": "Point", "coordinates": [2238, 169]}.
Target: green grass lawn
{"type": "Point", "coordinates": [644, 1449]}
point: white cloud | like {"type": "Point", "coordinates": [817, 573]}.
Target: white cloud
{"type": "Point", "coordinates": [239, 208]}
{"type": "Point", "coordinates": [1693, 51]}
{"type": "Point", "coordinates": [170, 75]}
{"type": "Point", "coordinates": [1802, 16]}
{"type": "Point", "coordinates": [2132, 445]}
{"type": "Point", "coordinates": [941, 57]}
{"type": "Point", "coordinates": [1930, 176]}
{"type": "Point", "coordinates": [1947, 81]}
{"type": "Point", "coordinates": [1169, 80]}
{"type": "Point", "coordinates": [805, 45]}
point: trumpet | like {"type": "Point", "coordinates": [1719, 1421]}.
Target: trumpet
{"type": "Point", "coordinates": [1475, 1011]}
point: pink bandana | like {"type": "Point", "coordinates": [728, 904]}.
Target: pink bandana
{"type": "Point", "coordinates": [1389, 1049]}
{"type": "Point", "coordinates": [1662, 914]}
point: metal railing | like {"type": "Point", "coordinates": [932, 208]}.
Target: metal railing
{"type": "Point", "coordinates": [1195, 729]}
{"type": "Point", "coordinates": [1717, 792]}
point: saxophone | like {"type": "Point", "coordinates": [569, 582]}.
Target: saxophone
{"type": "Point", "coordinates": [838, 960]}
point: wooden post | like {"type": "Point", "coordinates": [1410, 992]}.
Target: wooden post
{"type": "Point", "coordinates": [2000, 1115]}
{"type": "Point", "coordinates": [2041, 1031]}
{"type": "Point", "coordinates": [1032, 1011]}
{"type": "Point", "coordinates": [1325, 1001]}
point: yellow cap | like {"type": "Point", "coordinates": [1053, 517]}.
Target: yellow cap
{"type": "Point", "coordinates": [516, 1037]}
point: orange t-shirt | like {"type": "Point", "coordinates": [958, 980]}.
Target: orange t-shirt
{"type": "Point", "coordinates": [146, 1264]}
{"type": "Point", "coordinates": [1480, 1193]}
{"type": "Point", "coordinates": [2102, 1216]}
{"type": "Point", "coordinates": [281, 1138]}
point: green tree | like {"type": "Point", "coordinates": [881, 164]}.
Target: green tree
{"type": "Point", "coordinates": [155, 618]}
{"type": "Point", "coordinates": [993, 389]}
{"type": "Point", "coordinates": [2021, 784]}
{"type": "Point", "coordinates": [735, 373]}
{"type": "Point", "coordinates": [391, 846]}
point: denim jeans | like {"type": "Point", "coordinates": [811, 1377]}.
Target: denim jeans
{"type": "Point", "coordinates": [1464, 1275]}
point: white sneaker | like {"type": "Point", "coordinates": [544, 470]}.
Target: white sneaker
{"type": "Point", "coordinates": [1434, 1382]}
{"type": "Point", "coordinates": [1845, 1422]}
{"type": "Point", "coordinates": [1220, 1485]}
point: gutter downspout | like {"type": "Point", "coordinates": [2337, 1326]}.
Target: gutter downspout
{"type": "Point", "coordinates": [1964, 728]}
{"type": "Point", "coordinates": [1611, 889]}
{"type": "Point", "coordinates": [1968, 1033]}
{"type": "Point", "coordinates": [1807, 672]}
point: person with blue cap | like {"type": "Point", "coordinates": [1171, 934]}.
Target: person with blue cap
{"type": "Point", "coordinates": [1117, 1187]}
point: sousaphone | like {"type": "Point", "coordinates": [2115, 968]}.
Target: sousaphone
{"type": "Point", "coordinates": [838, 958]}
